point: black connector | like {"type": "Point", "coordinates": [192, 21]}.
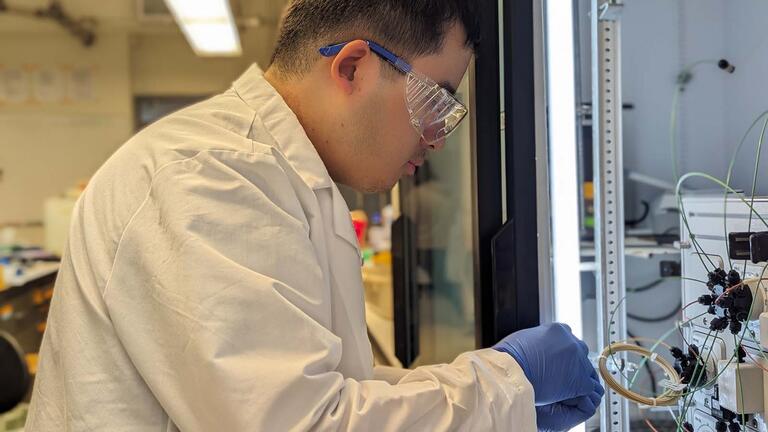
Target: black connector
{"type": "Point", "coordinates": [716, 277]}
{"type": "Point", "coordinates": [735, 326]}
{"type": "Point", "coordinates": [728, 415]}
{"type": "Point", "coordinates": [734, 278]}
{"type": "Point", "coordinates": [689, 366]}
{"type": "Point", "coordinates": [718, 324]}
{"type": "Point", "coordinates": [758, 247]}
{"type": "Point", "coordinates": [748, 246]}
{"type": "Point", "coordinates": [707, 299]}
{"type": "Point", "coordinates": [738, 245]}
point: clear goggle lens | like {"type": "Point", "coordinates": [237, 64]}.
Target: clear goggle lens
{"type": "Point", "coordinates": [434, 111]}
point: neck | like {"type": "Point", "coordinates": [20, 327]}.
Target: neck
{"type": "Point", "coordinates": [306, 109]}
{"type": "Point", "coordinates": [293, 92]}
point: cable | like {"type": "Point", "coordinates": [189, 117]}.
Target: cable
{"type": "Point", "coordinates": [686, 344]}
{"type": "Point", "coordinates": [738, 381]}
{"type": "Point", "coordinates": [674, 312]}
{"type": "Point", "coordinates": [648, 354]}
{"type": "Point", "coordinates": [650, 425]}
{"type": "Point", "coordinates": [683, 78]}
{"type": "Point", "coordinates": [689, 305]}
{"type": "Point", "coordinates": [722, 368]}
{"type": "Point", "coordinates": [691, 235]}
{"type": "Point", "coordinates": [688, 397]}
{"type": "Point", "coordinates": [716, 181]}
{"type": "Point", "coordinates": [646, 287]}
{"type": "Point", "coordinates": [756, 361]}
{"type": "Point", "coordinates": [754, 177]}
{"type": "Point", "coordinates": [660, 341]}
{"type": "Point", "coordinates": [646, 211]}
{"type": "Point", "coordinates": [669, 397]}
{"type": "Point", "coordinates": [658, 282]}
{"type": "Point", "coordinates": [673, 130]}
{"type": "Point", "coordinates": [654, 389]}
{"type": "Point", "coordinates": [728, 176]}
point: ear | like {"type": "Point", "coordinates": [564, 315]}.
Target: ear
{"type": "Point", "coordinates": [348, 63]}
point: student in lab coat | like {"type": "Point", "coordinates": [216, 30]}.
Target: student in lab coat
{"type": "Point", "coordinates": [212, 276]}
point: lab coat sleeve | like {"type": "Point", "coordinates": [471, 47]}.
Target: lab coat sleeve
{"type": "Point", "coordinates": [390, 374]}
{"type": "Point", "coordinates": [217, 297]}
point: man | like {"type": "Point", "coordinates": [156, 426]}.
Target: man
{"type": "Point", "coordinates": [212, 277]}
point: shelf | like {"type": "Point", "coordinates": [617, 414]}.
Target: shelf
{"type": "Point", "coordinates": [634, 247]}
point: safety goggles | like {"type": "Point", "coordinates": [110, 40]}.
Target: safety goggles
{"type": "Point", "coordinates": [434, 111]}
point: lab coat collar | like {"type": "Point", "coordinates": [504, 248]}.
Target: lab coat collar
{"type": "Point", "coordinates": [293, 143]}
{"type": "Point", "coordinates": [284, 126]}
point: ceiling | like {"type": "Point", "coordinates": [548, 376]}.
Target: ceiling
{"type": "Point", "coordinates": [124, 14]}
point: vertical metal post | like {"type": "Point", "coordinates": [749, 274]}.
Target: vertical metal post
{"type": "Point", "coordinates": [609, 191]}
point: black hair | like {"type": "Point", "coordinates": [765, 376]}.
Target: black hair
{"type": "Point", "coordinates": [410, 28]}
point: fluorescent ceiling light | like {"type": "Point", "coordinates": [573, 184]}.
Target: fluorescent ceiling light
{"type": "Point", "coordinates": [208, 26]}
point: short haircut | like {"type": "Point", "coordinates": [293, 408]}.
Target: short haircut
{"type": "Point", "coordinates": [409, 28]}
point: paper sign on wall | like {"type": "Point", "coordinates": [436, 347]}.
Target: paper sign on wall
{"type": "Point", "coordinates": [80, 84]}
{"type": "Point", "coordinates": [15, 83]}
{"type": "Point", "coordinates": [47, 84]}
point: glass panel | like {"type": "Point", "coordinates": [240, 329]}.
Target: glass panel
{"type": "Point", "coordinates": [439, 202]}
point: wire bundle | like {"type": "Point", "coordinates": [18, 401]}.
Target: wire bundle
{"type": "Point", "coordinates": [669, 397]}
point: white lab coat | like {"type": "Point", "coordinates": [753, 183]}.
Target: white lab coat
{"type": "Point", "coordinates": [212, 283]}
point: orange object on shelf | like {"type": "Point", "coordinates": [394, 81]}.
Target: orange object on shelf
{"type": "Point", "coordinates": [32, 363]}
{"type": "Point", "coordinates": [6, 311]}
{"type": "Point", "coordinates": [38, 297]}
{"type": "Point", "coordinates": [383, 258]}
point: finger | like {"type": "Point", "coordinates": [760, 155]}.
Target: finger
{"type": "Point", "coordinates": [584, 404]}
{"type": "Point", "coordinates": [561, 416]}
{"type": "Point", "coordinates": [594, 376]}
{"type": "Point", "coordinates": [599, 389]}
{"type": "Point", "coordinates": [587, 368]}
{"type": "Point", "coordinates": [582, 382]}
{"type": "Point", "coordinates": [587, 405]}
{"type": "Point", "coordinates": [582, 387]}
{"type": "Point", "coordinates": [595, 398]}
{"type": "Point", "coordinates": [583, 346]}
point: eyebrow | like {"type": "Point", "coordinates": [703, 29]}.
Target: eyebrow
{"type": "Point", "coordinates": [446, 85]}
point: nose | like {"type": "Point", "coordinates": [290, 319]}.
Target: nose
{"type": "Point", "coordinates": [437, 145]}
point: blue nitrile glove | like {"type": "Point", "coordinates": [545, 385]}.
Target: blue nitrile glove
{"type": "Point", "coordinates": [554, 361]}
{"type": "Point", "coordinates": [563, 416]}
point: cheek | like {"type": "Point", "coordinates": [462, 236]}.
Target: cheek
{"type": "Point", "coordinates": [401, 134]}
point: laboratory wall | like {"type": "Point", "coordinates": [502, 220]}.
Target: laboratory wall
{"type": "Point", "coordinates": [164, 64]}
{"type": "Point", "coordinates": [52, 142]}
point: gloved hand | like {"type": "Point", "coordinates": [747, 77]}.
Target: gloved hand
{"type": "Point", "coordinates": [556, 364]}
{"type": "Point", "coordinates": [563, 416]}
